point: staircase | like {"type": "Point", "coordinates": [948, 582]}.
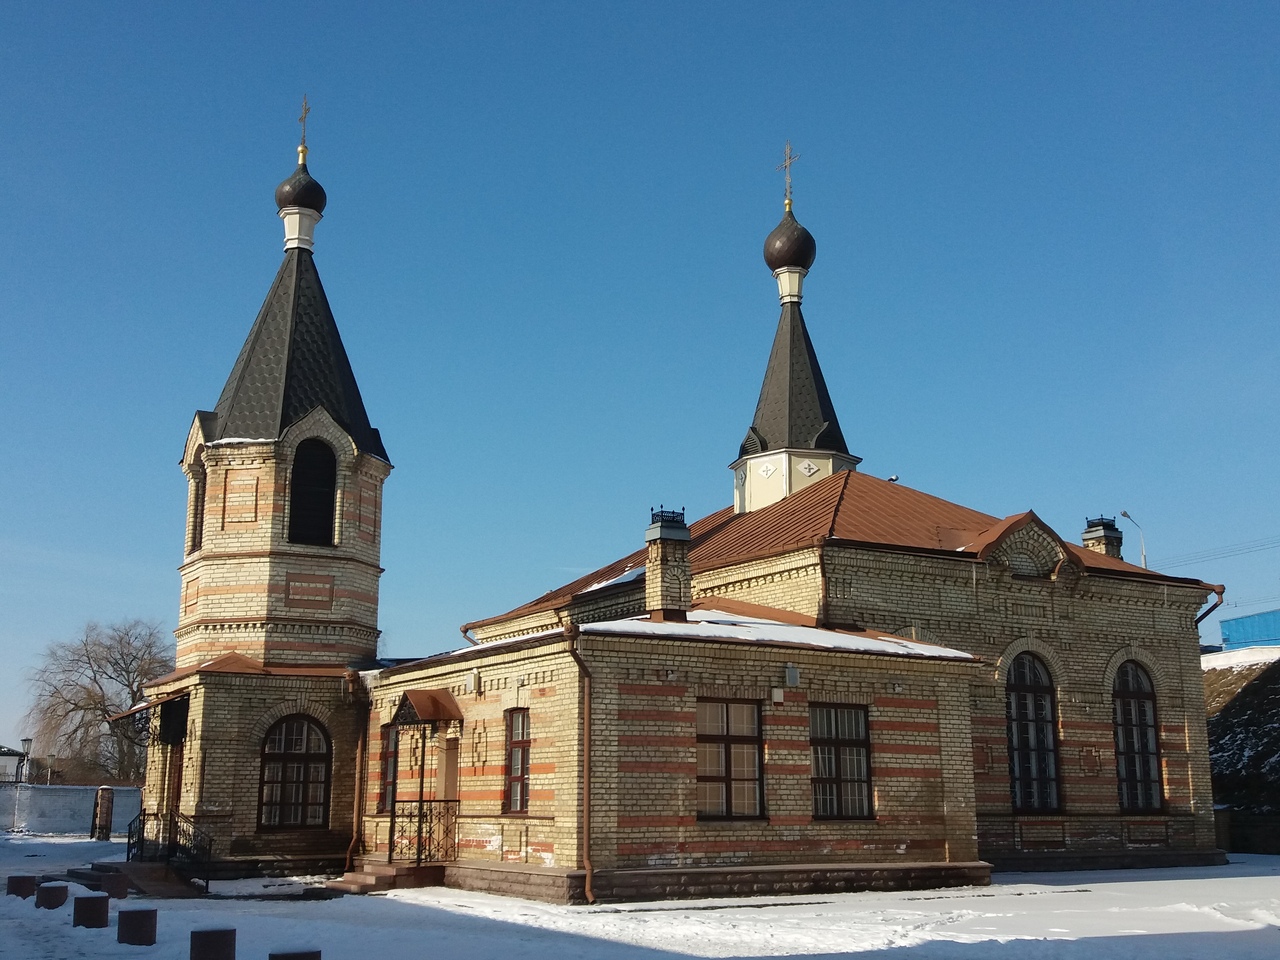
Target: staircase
{"type": "Point", "coordinates": [378, 876]}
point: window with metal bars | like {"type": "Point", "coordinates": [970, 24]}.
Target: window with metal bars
{"type": "Point", "coordinates": [390, 767]}
{"type": "Point", "coordinates": [296, 761]}
{"type": "Point", "coordinates": [1032, 715]}
{"type": "Point", "coordinates": [1137, 740]}
{"type": "Point", "coordinates": [730, 767]}
{"type": "Point", "coordinates": [516, 795]}
{"type": "Point", "coordinates": [841, 748]}
{"type": "Point", "coordinates": [313, 485]}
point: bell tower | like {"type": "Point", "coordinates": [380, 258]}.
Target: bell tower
{"type": "Point", "coordinates": [794, 439]}
{"type": "Point", "coordinates": [285, 474]}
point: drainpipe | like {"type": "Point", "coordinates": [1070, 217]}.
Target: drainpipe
{"type": "Point", "coordinates": [573, 635]}
{"type": "Point", "coordinates": [1220, 591]}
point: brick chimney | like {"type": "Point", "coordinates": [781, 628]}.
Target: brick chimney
{"type": "Point", "coordinates": [668, 587]}
{"type": "Point", "coordinates": [1101, 535]}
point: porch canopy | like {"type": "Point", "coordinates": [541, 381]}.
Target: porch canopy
{"type": "Point", "coordinates": [427, 706]}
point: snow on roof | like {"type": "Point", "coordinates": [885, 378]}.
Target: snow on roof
{"type": "Point", "coordinates": [1244, 657]}
{"type": "Point", "coordinates": [717, 625]}
{"type": "Point", "coordinates": [635, 573]}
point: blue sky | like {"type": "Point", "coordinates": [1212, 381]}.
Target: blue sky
{"type": "Point", "coordinates": [1047, 235]}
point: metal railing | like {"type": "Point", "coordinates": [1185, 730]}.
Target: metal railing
{"type": "Point", "coordinates": [164, 837]}
{"type": "Point", "coordinates": [423, 831]}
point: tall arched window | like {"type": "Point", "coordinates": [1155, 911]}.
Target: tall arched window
{"type": "Point", "coordinates": [1137, 739]}
{"type": "Point", "coordinates": [1033, 737]}
{"type": "Point", "coordinates": [312, 486]}
{"type": "Point", "coordinates": [296, 756]}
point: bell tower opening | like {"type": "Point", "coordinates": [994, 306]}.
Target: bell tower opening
{"type": "Point", "coordinates": [312, 488]}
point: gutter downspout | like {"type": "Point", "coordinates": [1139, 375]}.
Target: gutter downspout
{"type": "Point", "coordinates": [573, 635]}
{"type": "Point", "coordinates": [357, 825]}
{"type": "Point", "coordinates": [1221, 592]}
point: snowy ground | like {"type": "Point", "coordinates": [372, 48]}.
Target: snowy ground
{"type": "Point", "coordinates": [1219, 913]}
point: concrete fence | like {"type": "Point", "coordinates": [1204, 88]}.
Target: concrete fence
{"type": "Point", "coordinates": [33, 808]}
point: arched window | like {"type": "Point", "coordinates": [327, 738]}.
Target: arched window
{"type": "Point", "coordinates": [296, 757]}
{"type": "Point", "coordinates": [1137, 739]}
{"type": "Point", "coordinates": [195, 510]}
{"type": "Point", "coordinates": [1033, 737]}
{"type": "Point", "coordinates": [312, 486]}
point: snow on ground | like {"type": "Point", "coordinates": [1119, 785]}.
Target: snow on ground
{"type": "Point", "coordinates": [1219, 913]}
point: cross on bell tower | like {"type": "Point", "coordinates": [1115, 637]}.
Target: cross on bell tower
{"type": "Point", "coordinates": [788, 158]}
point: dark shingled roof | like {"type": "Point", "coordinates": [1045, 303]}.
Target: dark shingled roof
{"type": "Point", "coordinates": [795, 409]}
{"type": "Point", "coordinates": [292, 362]}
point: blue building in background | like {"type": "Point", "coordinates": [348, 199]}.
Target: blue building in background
{"type": "Point", "coordinates": [1257, 630]}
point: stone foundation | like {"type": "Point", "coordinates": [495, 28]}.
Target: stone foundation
{"type": "Point", "coordinates": [568, 886]}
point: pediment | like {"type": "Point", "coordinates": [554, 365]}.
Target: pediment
{"type": "Point", "coordinates": [1026, 545]}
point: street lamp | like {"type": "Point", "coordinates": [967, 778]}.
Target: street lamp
{"type": "Point", "coordinates": [24, 769]}
{"type": "Point", "coordinates": [1142, 541]}
{"type": "Point", "coordinates": [53, 758]}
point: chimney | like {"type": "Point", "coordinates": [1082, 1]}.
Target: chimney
{"type": "Point", "coordinates": [1101, 535]}
{"type": "Point", "coordinates": [668, 587]}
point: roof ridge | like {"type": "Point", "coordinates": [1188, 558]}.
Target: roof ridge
{"type": "Point", "coordinates": [844, 486]}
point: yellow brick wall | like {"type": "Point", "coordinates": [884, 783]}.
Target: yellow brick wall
{"type": "Point", "coordinates": [246, 589]}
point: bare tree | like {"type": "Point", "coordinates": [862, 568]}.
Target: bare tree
{"type": "Point", "coordinates": [82, 682]}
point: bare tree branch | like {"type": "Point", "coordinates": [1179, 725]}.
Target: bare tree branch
{"type": "Point", "coordinates": [80, 683]}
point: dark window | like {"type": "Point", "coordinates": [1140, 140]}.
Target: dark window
{"type": "Point", "coordinates": [1033, 738]}
{"type": "Point", "coordinates": [841, 762]}
{"type": "Point", "coordinates": [312, 487]}
{"type": "Point", "coordinates": [390, 767]}
{"type": "Point", "coordinates": [1137, 740]}
{"type": "Point", "coordinates": [730, 771]}
{"type": "Point", "coordinates": [516, 796]}
{"type": "Point", "coordinates": [295, 775]}
{"type": "Point", "coordinates": [197, 512]}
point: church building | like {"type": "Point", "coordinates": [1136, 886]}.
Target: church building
{"type": "Point", "coordinates": [834, 683]}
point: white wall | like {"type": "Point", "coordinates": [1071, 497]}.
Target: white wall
{"type": "Point", "coordinates": [33, 808]}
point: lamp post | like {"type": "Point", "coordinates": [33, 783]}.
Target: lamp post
{"type": "Point", "coordinates": [24, 768]}
{"type": "Point", "coordinates": [1142, 541]}
{"type": "Point", "coordinates": [48, 781]}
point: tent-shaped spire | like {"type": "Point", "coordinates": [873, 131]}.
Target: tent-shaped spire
{"type": "Point", "coordinates": [794, 410]}
{"type": "Point", "coordinates": [292, 362]}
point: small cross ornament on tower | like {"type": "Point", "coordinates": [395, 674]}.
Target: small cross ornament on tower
{"type": "Point", "coordinates": [306, 108]}
{"type": "Point", "coordinates": [788, 158]}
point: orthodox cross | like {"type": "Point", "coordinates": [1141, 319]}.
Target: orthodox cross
{"type": "Point", "coordinates": [307, 109]}
{"type": "Point", "coordinates": [788, 158]}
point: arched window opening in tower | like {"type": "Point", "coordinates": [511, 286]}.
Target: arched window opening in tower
{"type": "Point", "coordinates": [197, 492]}
{"type": "Point", "coordinates": [1032, 714]}
{"type": "Point", "coordinates": [312, 488]}
{"type": "Point", "coordinates": [296, 761]}
{"type": "Point", "coordinates": [1137, 740]}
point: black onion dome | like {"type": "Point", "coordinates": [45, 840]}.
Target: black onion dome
{"type": "Point", "coordinates": [301, 190]}
{"type": "Point", "coordinates": [789, 245]}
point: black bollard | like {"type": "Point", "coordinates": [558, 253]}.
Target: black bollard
{"type": "Point", "coordinates": [136, 927]}
{"type": "Point", "coordinates": [21, 885]}
{"type": "Point", "coordinates": [90, 911]}
{"type": "Point", "coordinates": [213, 944]}
{"type": "Point", "coordinates": [50, 896]}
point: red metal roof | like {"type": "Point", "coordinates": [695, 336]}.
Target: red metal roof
{"type": "Point", "coordinates": [849, 506]}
